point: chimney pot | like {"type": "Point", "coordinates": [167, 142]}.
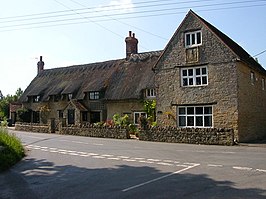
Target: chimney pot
{"type": "Point", "coordinates": [130, 32]}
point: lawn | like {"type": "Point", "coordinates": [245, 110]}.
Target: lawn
{"type": "Point", "coordinates": [11, 150]}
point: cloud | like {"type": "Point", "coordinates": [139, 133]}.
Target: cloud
{"type": "Point", "coordinates": [122, 6]}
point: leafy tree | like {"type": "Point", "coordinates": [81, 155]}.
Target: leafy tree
{"type": "Point", "coordinates": [5, 101]}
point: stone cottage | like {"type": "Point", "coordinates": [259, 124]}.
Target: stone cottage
{"type": "Point", "coordinates": [93, 92]}
{"type": "Point", "coordinates": [204, 79]}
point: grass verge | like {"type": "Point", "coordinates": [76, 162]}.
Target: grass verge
{"type": "Point", "coordinates": [11, 150]}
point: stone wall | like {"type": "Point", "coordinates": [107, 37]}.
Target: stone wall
{"type": "Point", "coordinates": [32, 127]}
{"type": "Point", "coordinates": [101, 132]}
{"type": "Point", "coordinates": [208, 136]}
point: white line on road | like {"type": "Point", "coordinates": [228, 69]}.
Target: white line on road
{"type": "Point", "coordinates": [243, 168]}
{"type": "Point", "coordinates": [215, 165]}
{"type": "Point", "coordinates": [261, 170]}
{"type": "Point", "coordinates": [157, 179]}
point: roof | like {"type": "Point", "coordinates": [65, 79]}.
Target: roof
{"type": "Point", "coordinates": [237, 49]}
{"type": "Point", "coordinates": [120, 79]}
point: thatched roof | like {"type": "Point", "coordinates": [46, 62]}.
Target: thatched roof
{"type": "Point", "coordinates": [120, 79]}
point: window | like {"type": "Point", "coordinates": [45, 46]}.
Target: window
{"type": "Point", "coordinates": [194, 76]}
{"type": "Point", "coordinates": [60, 113]}
{"type": "Point", "coordinates": [137, 115]}
{"type": "Point", "coordinates": [150, 92]}
{"type": "Point", "coordinates": [94, 95]}
{"type": "Point", "coordinates": [69, 96]}
{"type": "Point", "coordinates": [195, 116]}
{"type": "Point", "coordinates": [36, 98]}
{"type": "Point", "coordinates": [36, 117]}
{"type": "Point", "coordinates": [193, 39]}
{"type": "Point", "coordinates": [263, 84]}
{"type": "Point", "coordinates": [252, 78]}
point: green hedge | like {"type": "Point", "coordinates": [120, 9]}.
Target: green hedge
{"type": "Point", "coordinates": [11, 150]}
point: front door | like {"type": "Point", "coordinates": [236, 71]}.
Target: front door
{"type": "Point", "coordinates": [71, 116]}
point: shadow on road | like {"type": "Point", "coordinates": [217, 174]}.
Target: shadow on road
{"type": "Point", "coordinates": [41, 179]}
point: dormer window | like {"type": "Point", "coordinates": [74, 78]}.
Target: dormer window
{"type": "Point", "coordinates": [95, 95]}
{"type": "Point", "coordinates": [70, 95]}
{"type": "Point", "coordinates": [150, 93]}
{"type": "Point", "coordinates": [193, 39]}
{"type": "Point", "coordinates": [36, 98]}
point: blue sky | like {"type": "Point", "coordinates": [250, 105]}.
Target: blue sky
{"type": "Point", "coordinates": [71, 32]}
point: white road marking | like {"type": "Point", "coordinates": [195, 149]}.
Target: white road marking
{"type": "Point", "coordinates": [107, 155]}
{"type": "Point", "coordinates": [114, 158]}
{"type": "Point", "coordinates": [96, 144]}
{"type": "Point", "coordinates": [215, 165]}
{"type": "Point", "coordinates": [159, 178]}
{"type": "Point", "coordinates": [164, 163]}
{"type": "Point", "coordinates": [98, 157]}
{"type": "Point", "coordinates": [126, 157]}
{"type": "Point", "coordinates": [139, 158]}
{"type": "Point", "coordinates": [129, 160]}
{"type": "Point", "coordinates": [261, 170]}
{"type": "Point", "coordinates": [154, 160]}
{"type": "Point", "coordinates": [243, 168]}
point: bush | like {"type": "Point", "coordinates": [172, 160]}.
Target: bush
{"type": "Point", "coordinates": [11, 150]}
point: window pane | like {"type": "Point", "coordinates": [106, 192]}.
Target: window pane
{"type": "Point", "coordinates": [188, 39]}
{"type": "Point", "coordinates": [185, 82]}
{"type": "Point", "coordinates": [199, 120]}
{"type": "Point", "coordinates": [184, 72]}
{"type": "Point", "coordinates": [190, 121]}
{"type": "Point", "coordinates": [193, 39]}
{"type": "Point", "coordinates": [207, 110]}
{"type": "Point", "coordinates": [198, 80]}
{"type": "Point", "coordinates": [203, 71]}
{"type": "Point", "coordinates": [182, 121]}
{"type": "Point", "coordinates": [190, 81]}
{"type": "Point", "coordinates": [190, 72]}
{"type": "Point", "coordinates": [198, 38]}
{"type": "Point", "coordinates": [198, 71]}
{"type": "Point", "coordinates": [182, 111]}
{"type": "Point", "coordinates": [190, 110]}
{"type": "Point", "coordinates": [207, 121]}
{"type": "Point", "coordinates": [199, 110]}
{"type": "Point", "coordinates": [204, 80]}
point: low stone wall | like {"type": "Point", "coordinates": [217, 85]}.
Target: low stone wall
{"type": "Point", "coordinates": [101, 132]}
{"type": "Point", "coordinates": [32, 127]}
{"type": "Point", "coordinates": [208, 136]}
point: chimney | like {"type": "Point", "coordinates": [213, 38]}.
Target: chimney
{"type": "Point", "coordinates": [40, 65]}
{"type": "Point", "coordinates": [131, 44]}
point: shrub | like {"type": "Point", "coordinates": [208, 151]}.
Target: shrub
{"type": "Point", "coordinates": [11, 150]}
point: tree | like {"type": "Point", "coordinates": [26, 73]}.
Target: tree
{"type": "Point", "coordinates": [5, 101]}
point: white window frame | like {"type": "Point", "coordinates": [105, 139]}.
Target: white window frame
{"type": "Point", "coordinates": [150, 92]}
{"type": "Point", "coordinates": [252, 78]}
{"type": "Point", "coordinates": [137, 115]}
{"type": "Point", "coordinates": [197, 77]}
{"type": "Point", "coordinates": [192, 39]}
{"type": "Point", "coordinates": [186, 117]}
{"type": "Point", "coordinates": [263, 84]}
{"type": "Point", "coordinates": [94, 95]}
{"type": "Point", "coordinates": [36, 99]}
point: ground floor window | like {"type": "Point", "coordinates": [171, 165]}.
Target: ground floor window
{"type": "Point", "coordinates": [95, 116]}
{"type": "Point", "coordinates": [195, 116]}
{"type": "Point", "coordinates": [36, 117]}
{"type": "Point", "coordinates": [137, 115]}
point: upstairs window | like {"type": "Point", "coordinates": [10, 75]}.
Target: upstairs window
{"type": "Point", "coordinates": [197, 76]}
{"type": "Point", "coordinates": [36, 98]}
{"type": "Point", "coordinates": [193, 39]}
{"type": "Point", "coordinates": [94, 95]}
{"type": "Point", "coordinates": [263, 84]}
{"type": "Point", "coordinates": [252, 77]}
{"type": "Point", "coordinates": [150, 93]}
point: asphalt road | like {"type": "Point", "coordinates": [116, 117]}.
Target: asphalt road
{"type": "Point", "coordinates": [60, 166]}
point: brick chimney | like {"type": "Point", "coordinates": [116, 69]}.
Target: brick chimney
{"type": "Point", "coordinates": [40, 65]}
{"type": "Point", "coordinates": [131, 44]}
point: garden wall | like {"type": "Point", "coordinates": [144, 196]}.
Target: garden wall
{"type": "Point", "coordinates": [101, 132]}
{"type": "Point", "coordinates": [32, 127]}
{"type": "Point", "coordinates": [208, 136]}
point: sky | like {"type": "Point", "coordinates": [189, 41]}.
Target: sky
{"type": "Point", "coordinates": [73, 32]}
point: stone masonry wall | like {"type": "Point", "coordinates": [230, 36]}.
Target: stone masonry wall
{"type": "Point", "coordinates": [32, 127]}
{"type": "Point", "coordinates": [221, 91]}
{"type": "Point", "coordinates": [208, 136]}
{"type": "Point", "coordinates": [101, 132]}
